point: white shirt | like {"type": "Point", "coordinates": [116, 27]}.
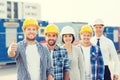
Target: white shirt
{"type": "Point", "coordinates": [33, 61]}
{"type": "Point", "coordinates": [108, 51]}
{"type": "Point", "coordinates": [86, 52]}
{"type": "Point", "coordinates": [51, 55]}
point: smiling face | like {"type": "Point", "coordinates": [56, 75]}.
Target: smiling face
{"type": "Point", "coordinates": [98, 28]}
{"type": "Point", "coordinates": [30, 33]}
{"type": "Point", "coordinates": [85, 37]}
{"type": "Point", "coordinates": [67, 38]}
{"type": "Point", "coordinates": [51, 38]}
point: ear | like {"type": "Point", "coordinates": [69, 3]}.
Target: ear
{"type": "Point", "coordinates": [24, 31]}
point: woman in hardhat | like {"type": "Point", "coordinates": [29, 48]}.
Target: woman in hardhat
{"type": "Point", "coordinates": [77, 71]}
{"type": "Point", "coordinates": [94, 65]}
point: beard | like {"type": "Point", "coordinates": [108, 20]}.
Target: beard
{"type": "Point", "coordinates": [53, 42]}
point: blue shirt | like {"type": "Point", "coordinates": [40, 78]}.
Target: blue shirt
{"type": "Point", "coordinates": [60, 62]}
{"type": "Point", "coordinates": [97, 63]}
{"type": "Point", "coordinates": [45, 62]}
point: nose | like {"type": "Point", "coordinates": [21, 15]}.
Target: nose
{"type": "Point", "coordinates": [51, 37]}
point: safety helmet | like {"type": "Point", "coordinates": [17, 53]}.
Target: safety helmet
{"type": "Point", "coordinates": [30, 22]}
{"type": "Point", "coordinates": [51, 28]}
{"type": "Point", "coordinates": [67, 30]}
{"type": "Point", "coordinates": [98, 21]}
{"type": "Point", "coordinates": [86, 28]}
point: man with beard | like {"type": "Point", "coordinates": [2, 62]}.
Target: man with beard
{"type": "Point", "coordinates": [59, 55]}
{"type": "Point", "coordinates": [32, 58]}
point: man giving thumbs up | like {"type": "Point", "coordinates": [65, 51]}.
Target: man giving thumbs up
{"type": "Point", "coordinates": [32, 58]}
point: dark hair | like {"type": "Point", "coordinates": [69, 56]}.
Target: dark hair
{"type": "Point", "coordinates": [73, 38]}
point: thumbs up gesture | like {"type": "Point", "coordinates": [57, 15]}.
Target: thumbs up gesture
{"type": "Point", "coordinates": [13, 46]}
{"type": "Point", "coordinates": [12, 49]}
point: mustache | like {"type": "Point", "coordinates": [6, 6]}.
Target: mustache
{"type": "Point", "coordinates": [52, 43]}
{"type": "Point", "coordinates": [51, 40]}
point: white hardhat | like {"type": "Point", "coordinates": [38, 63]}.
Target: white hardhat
{"type": "Point", "coordinates": [67, 30]}
{"type": "Point", "coordinates": [98, 21]}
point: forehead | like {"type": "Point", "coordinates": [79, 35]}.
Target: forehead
{"type": "Point", "coordinates": [86, 33]}
{"type": "Point", "coordinates": [67, 34]}
{"type": "Point", "coordinates": [31, 27]}
{"type": "Point", "coordinates": [98, 25]}
{"type": "Point", "coordinates": [51, 33]}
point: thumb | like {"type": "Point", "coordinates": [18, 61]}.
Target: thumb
{"type": "Point", "coordinates": [14, 40]}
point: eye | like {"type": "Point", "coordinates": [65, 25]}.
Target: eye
{"type": "Point", "coordinates": [65, 35]}
{"type": "Point", "coordinates": [28, 29]}
{"type": "Point", "coordinates": [54, 35]}
{"type": "Point", "coordinates": [48, 35]}
{"type": "Point", "coordinates": [34, 29]}
{"type": "Point", "coordinates": [70, 35]}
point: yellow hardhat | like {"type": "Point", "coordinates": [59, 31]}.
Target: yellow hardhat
{"type": "Point", "coordinates": [51, 28]}
{"type": "Point", "coordinates": [30, 22]}
{"type": "Point", "coordinates": [86, 28]}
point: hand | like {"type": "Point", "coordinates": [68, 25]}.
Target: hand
{"type": "Point", "coordinates": [12, 49]}
{"type": "Point", "coordinates": [115, 77]}
{"type": "Point", "coordinates": [13, 46]}
{"type": "Point", "coordinates": [50, 77]}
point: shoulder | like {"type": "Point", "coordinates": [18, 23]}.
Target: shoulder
{"type": "Point", "coordinates": [93, 48]}
{"type": "Point", "coordinates": [43, 48]}
{"type": "Point", "coordinates": [76, 48]}
{"type": "Point", "coordinates": [61, 50]}
{"type": "Point", "coordinates": [93, 38]}
{"type": "Point", "coordinates": [107, 40]}
{"type": "Point", "coordinates": [41, 45]}
{"type": "Point", "coordinates": [21, 44]}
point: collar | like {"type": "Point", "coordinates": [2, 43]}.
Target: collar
{"type": "Point", "coordinates": [102, 36]}
{"type": "Point", "coordinates": [57, 48]}
{"type": "Point", "coordinates": [25, 43]}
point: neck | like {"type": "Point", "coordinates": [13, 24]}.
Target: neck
{"type": "Point", "coordinates": [67, 45]}
{"type": "Point", "coordinates": [51, 47]}
{"type": "Point", "coordinates": [98, 35]}
{"type": "Point", "coordinates": [86, 44]}
{"type": "Point", "coordinates": [30, 42]}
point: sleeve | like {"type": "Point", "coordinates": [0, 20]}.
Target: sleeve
{"type": "Point", "coordinates": [81, 64]}
{"type": "Point", "coordinates": [49, 64]}
{"type": "Point", "coordinates": [66, 62]}
{"type": "Point", "coordinates": [114, 57]}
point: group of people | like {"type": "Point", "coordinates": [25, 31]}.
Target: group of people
{"type": "Point", "coordinates": [89, 60]}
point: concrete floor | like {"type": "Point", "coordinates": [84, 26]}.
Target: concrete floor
{"type": "Point", "coordinates": [8, 72]}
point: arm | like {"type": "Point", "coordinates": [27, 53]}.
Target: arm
{"type": "Point", "coordinates": [66, 66]}
{"type": "Point", "coordinates": [12, 49]}
{"type": "Point", "coordinates": [114, 57]}
{"type": "Point", "coordinates": [49, 67]}
{"type": "Point", "coordinates": [66, 76]}
{"type": "Point", "coordinates": [50, 77]}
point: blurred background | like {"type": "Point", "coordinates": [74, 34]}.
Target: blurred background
{"type": "Point", "coordinates": [75, 13]}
